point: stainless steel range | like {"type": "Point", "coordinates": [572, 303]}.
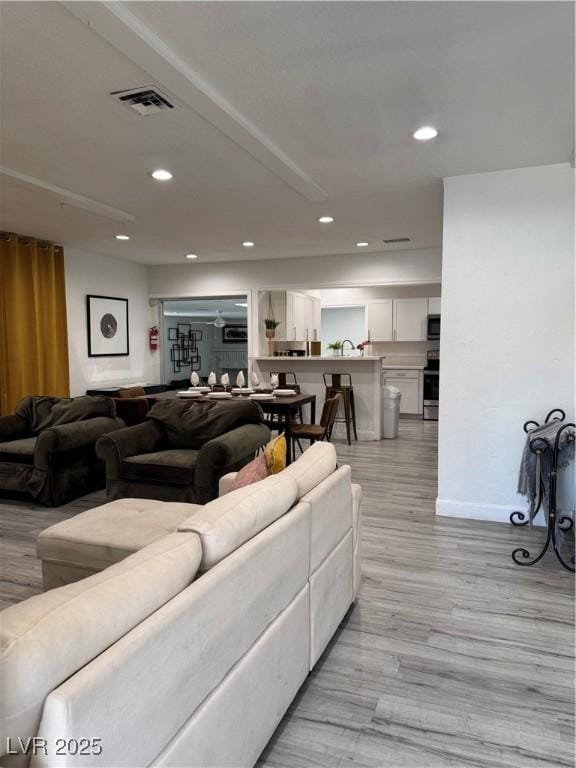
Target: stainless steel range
{"type": "Point", "coordinates": [432, 385]}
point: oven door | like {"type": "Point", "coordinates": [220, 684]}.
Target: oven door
{"type": "Point", "coordinates": [431, 395]}
{"type": "Point", "coordinates": [433, 332]}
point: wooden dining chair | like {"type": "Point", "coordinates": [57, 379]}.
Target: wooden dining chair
{"type": "Point", "coordinates": [315, 432]}
{"type": "Point", "coordinates": [286, 380]}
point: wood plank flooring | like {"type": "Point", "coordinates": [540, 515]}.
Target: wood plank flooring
{"type": "Point", "coordinates": [452, 656]}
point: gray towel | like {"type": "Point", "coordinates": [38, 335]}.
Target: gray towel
{"type": "Point", "coordinates": [535, 467]}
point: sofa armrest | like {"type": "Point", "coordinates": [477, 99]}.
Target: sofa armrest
{"type": "Point", "coordinates": [225, 483]}
{"type": "Point", "coordinates": [13, 427]}
{"type": "Point", "coordinates": [70, 437]}
{"type": "Point", "coordinates": [227, 451]}
{"type": "Point", "coordinates": [130, 441]}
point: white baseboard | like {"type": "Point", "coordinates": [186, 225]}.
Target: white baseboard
{"type": "Point", "coordinates": [497, 513]}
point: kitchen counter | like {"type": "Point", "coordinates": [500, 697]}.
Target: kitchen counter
{"type": "Point", "coordinates": [313, 358]}
{"type": "Point", "coordinates": [366, 374]}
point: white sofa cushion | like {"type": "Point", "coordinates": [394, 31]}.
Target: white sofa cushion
{"type": "Point", "coordinates": [46, 639]}
{"type": "Point", "coordinates": [250, 701]}
{"type": "Point", "coordinates": [315, 464]}
{"type": "Point", "coordinates": [107, 534]}
{"type": "Point", "coordinates": [228, 522]}
{"type": "Point", "coordinates": [331, 514]}
{"type": "Point", "coordinates": [331, 593]}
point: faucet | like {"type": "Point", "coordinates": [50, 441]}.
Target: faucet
{"type": "Point", "coordinates": [342, 347]}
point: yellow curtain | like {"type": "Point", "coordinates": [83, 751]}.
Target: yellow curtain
{"type": "Point", "coordinates": [33, 332]}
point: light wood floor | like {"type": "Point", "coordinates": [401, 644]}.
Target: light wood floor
{"type": "Point", "coordinates": [452, 656]}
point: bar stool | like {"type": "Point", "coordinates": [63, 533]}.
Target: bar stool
{"type": "Point", "coordinates": [342, 383]}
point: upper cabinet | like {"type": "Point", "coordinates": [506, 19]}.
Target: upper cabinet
{"type": "Point", "coordinates": [298, 315]}
{"type": "Point", "coordinates": [397, 319]}
{"type": "Point", "coordinates": [410, 319]}
{"type": "Point", "coordinates": [434, 306]}
{"type": "Point", "coordinates": [379, 320]}
{"type": "Point", "coordinates": [313, 318]}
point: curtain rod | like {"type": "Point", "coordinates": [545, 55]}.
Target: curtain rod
{"type": "Point", "coordinates": [27, 240]}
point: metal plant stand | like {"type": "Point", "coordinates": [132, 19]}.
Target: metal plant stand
{"type": "Point", "coordinates": [540, 446]}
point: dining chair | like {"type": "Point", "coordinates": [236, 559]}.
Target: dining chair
{"type": "Point", "coordinates": [315, 432]}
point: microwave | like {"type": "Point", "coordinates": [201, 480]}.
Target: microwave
{"type": "Point", "coordinates": [433, 328]}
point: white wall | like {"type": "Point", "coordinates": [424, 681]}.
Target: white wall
{"type": "Point", "coordinates": [339, 323]}
{"type": "Point", "coordinates": [343, 296]}
{"type": "Point", "coordinates": [88, 273]}
{"type": "Point", "coordinates": [197, 279]}
{"type": "Point", "coordinates": [507, 328]}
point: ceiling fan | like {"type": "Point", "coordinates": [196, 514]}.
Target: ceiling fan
{"type": "Point", "coordinates": [218, 321]}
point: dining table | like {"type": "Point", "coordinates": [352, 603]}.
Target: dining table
{"type": "Point", "coordinates": [283, 408]}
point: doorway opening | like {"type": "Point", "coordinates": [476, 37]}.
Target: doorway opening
{"type": "Point", "coordinates": [204, 335]}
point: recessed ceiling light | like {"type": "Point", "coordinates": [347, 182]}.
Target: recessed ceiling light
{"type": "Point", "coordinates": [241, 304]}
{"type": "Point", "coordinates": [425, 133]}
{"type": "Point", "coordinates": [161, 175]}
{"type": "Point", "coordinates": [122, 237]}
{"type": "Point", "coordinates": [362, 245]}
{"type": "Point", "coordinates": [191, 256]}
{"type": "Point", "coordinates": [326, 219]}
{"type": "Point", "coordinates": [248, 244]}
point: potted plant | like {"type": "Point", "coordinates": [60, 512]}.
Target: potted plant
{"type": "Point", "coordinates": [270, 324]}
{"type": "Point", "coordinates": [336, 347]}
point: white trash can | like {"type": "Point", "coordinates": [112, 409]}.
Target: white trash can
{"type": "Point", "coordinates": [390, 411]}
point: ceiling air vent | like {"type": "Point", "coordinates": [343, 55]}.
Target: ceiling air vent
{"type": "Point", "coordinates": [396, 240]}
{"type": "Point", "coordinates": [147, 100]}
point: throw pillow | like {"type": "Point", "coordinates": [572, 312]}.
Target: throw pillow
{"type": "Point", "coordinates": [275, 453]}
{"type": "Point", "coordinates": [252, 473]}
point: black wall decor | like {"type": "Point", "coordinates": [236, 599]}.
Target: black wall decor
{"type": "Point", "coordinates": [234, 334]}
{"type": "Point", "coordinates": [184, 350]}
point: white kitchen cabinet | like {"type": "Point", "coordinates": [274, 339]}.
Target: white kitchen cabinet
{"type": "Point", "coordinates": [314, 319]}
{"type": "Point", "coordinates": [297, 314]}
{"type": "Point", "coordinates": [409, 382]}
{"type": "Point", "coordinates": [379, 320]}
{"type": "Point", "coordinates": [434, 305]}
{"type": "Point", "coordinates": [297, 324]}
{"type": "Point", "coordinates": [410, 319]}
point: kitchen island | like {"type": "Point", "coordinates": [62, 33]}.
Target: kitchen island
{"type": "Point", "coordinates": [366, 373]}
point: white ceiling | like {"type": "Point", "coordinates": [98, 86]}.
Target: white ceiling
{"type": "Point", "coordinates": [312, 100]}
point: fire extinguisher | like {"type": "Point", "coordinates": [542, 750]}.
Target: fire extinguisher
{"type": "Point", "coordinates": [153, 338]}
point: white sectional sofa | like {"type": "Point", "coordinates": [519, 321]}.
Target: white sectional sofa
{"type": "Point", "coordinates": [189, 651]}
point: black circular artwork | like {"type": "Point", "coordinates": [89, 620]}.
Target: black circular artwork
{"type": "Point", "coordinates": [108, 326]}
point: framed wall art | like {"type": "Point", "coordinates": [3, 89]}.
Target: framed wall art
{"type": "Point", "coordinates": [234, 334]}
{"type": "Point", "coordinates": [107, 326]}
